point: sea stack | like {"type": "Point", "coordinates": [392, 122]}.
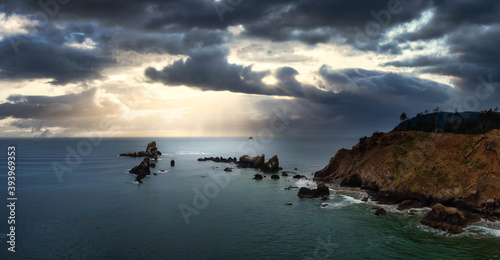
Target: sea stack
{"type": "Point", "coordinates": [151, 152]}
{"type": "Point", "coordinates": [141, 170]}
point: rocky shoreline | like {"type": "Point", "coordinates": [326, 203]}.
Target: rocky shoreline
{"type": "Point", "coordinates": [457, 175]}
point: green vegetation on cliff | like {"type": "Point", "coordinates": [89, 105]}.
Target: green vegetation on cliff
{"type": "Point", "coordinates": [447, 122]}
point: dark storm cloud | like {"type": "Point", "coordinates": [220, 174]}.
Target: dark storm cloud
{"type": "Point", "coordinates": [473, 54]}
{"type": "Point", "coordinates": [171, 43]}
{"type": "Point", "coordinates": [209, 69]}
{"type": "Point", "coordinates": [391, 87]}
{"type": "Point", "coordinates": [71, 106]}
{"type": "Point", "coordinates": [47, 60]}
{"type": "Point", "coordinates": [454, 15]}
{"type": "Point", "coordinates": [193, 28]}
{"type": "Point", "coordinates": [308, 21]}
{"type": "Point", "coordinates": [472, 30]}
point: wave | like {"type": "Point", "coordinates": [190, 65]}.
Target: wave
{"type": "Point", "coordinates": [345, 201]}
{"type": "Point", "coordinates": [484, 230]}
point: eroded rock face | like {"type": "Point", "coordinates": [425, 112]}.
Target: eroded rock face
{"type": "Point", "coordinates": [258, 162]}
{"type": "Point", "coordinates": [141, 170]}
{"type": "Point", "coordinates": [416, 169]}
{"type": "Point", "coordinates": [307, 193]}
{"type": "Point", "coordinates": [448, 219]}
{"type": "Point", "coordinates": [272, 165]}
{"type": "Point", "coordinates": [323, 189]}
{"type": "Point", "coordinates": [320, 191]}
{"type": "Point", "coordinates": [247, 161]}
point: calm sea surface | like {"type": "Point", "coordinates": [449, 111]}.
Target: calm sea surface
{"type": "Point", "coordinates": [92, 209]}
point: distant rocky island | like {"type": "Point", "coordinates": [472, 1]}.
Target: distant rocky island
{"type": "Point", "coordinates": [151, 152]}
{"type": "Point", "coordinates": [143, 169]}
{"type": "Point", "coordinates": [246, 161]}
{"type": "Point", "coordinates": [457, 175]}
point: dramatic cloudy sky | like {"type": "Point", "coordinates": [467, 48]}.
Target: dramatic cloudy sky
{"type": "Point", "coordinates": [233, 67]}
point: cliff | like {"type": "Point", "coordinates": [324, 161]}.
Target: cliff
{"type": "Point", "coordinates": [416, 169]}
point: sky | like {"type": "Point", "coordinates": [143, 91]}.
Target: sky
{"type": "Point", "coordinates": [117, 68]}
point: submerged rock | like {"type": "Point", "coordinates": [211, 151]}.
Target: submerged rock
{"type": "Point", "coordinates": [380, 212]}
{"type": "Point", "coordinates": [275, 177]}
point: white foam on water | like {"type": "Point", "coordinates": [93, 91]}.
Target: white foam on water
{"type": "Point", "coordinates": [484, 230]}
{"type": "Point", "coordinates": [346, 201]}
{"type": "Point", "coordinates": [306, 183]}
{"type": "Point", "coordinates": [191, 153]}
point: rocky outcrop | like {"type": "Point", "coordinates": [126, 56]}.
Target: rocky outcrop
{"type": "Point", "coordinates": [273, 165]}
{"type": "Point", "coordinates": [448, 219]}
{"type": "Point", "coordinates": [258, 162]}
{"type": "Point", "coordinates": [320, 191]}
{"type": "Point", "coordinates": [416, 169]}
{"type": "Point", "coordinates": [275, 177]}
{"type": "Point", "coordinates": [218, 159]}
{"type": "Point", "coordinates": [141, 170]}
{"type": "Point", "coordinates": [379, 211]}
{"type": "Point", "coordinates": [257, 177]}
{"type": "Point", "coordinates": [151, 152]}
{"type": "Point", "coordinates": [307, 193]}
{"type": "Point", "coordinates": [247, 161]}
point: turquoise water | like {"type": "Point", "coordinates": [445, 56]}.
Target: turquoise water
{"type": "Point", "coordinates": [95, 210]}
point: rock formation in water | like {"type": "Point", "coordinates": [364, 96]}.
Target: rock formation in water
{"type": "Point", "coordinates": [257, 177]}
{"type": "Point", "coordinates": [246, 161]}
{"type": "Point", "coordinates": [141, 170]}
{"type": "Point", "coordinates": [151, 152]}
{"type": "Point", "coordinates": [218, 159]}
{"type": "Point", "coordinates": [448, 219]}
{"type": "Point", "coordinates": [320, 191]}
{"type": "Point", "coordinates": [417, 169]}
{"type": "Point", "coordinates": [258, 162]}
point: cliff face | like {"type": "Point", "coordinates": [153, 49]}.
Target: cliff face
{"type": "Point", "coordinates": [423, 169]}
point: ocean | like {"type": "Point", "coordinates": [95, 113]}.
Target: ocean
{"type": "Point", "coordinates": [76, 200]}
